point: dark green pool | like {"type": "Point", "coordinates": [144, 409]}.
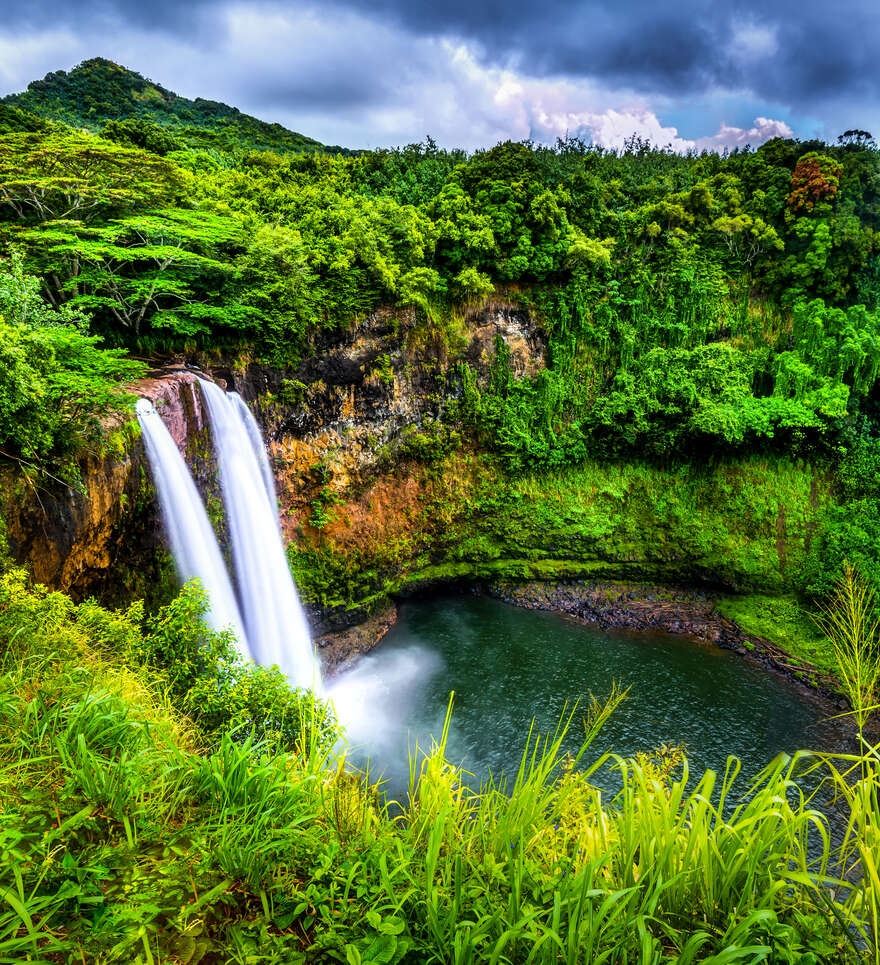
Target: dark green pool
{"type": "Point", "coordinates": [508, 665]}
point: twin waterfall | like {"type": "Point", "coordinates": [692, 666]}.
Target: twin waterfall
{"type": "Point", "coordinates": [193, 543]}
{"type": "Point", "coordinates": [263, 609]}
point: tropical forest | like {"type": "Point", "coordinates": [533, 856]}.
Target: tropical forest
{"type": "Point", "coordinates": [433, 555]}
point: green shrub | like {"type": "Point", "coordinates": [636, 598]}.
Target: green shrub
{"type": "Point", "coordinates": [124, 840]}
{"type": "Point", "coordinates": [220, 691]}
{"type": "Point", "coordinates": [175, 652]}
{"type": "Point", "coordinates": [429, 442]}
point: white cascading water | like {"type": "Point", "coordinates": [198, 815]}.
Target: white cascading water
{"type": "Point", "coordinates": [256, 438]}
{"type": "Point", "coordinates": [273, 615]}
{"type": "Point", "coordinates": [193, 543]}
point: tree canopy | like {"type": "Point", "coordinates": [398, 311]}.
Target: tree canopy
{"type": "Point", "coordinates": [692, 303]}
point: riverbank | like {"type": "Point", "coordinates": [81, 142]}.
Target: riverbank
{"type": "Point", "coordinates": [639, 606]}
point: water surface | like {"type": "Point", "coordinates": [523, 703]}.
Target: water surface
{"type": "Point", "coordinates": [508, 666]}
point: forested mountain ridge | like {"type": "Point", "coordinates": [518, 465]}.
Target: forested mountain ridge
{"type": "Point", "coordinates": [99, 92]}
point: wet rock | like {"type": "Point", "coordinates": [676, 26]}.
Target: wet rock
{"type": "Point", "coordinates": [96, 537]}
{"type": "Point", "coordinates": [340, 649]}
{"type": "Point", "coordinates": [517, 328]}
{"type": "Point", "coordinates": [177, 399]}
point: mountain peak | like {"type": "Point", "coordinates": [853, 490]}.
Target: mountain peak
{"type": "Point", "coordinates": [99, 90]}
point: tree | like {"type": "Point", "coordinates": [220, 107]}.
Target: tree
{"type": "Point", "coordinates": [814, 181]}
{"type": "Point", "coordinates": [13, 120]}
{"type": "Point", "coordinates": [136, 132]}
{"type": "Point", "coordinates": [170, 268]}
{"type": "Point", "coordinates": [56, 382]}
{"type": "Point", "coordinates": [52, 177]}
{"type": "Point", "coordinates": [281, 286]}
{"type": "Point", "coordinates": [856, 138]}
{"type": "Point", "coordinates": [747, 237]}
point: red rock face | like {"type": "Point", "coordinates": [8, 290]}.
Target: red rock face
{"type": "Point", "coordinates": [75, 538]}
{"type": "Point", "coordinates": [178, 401]}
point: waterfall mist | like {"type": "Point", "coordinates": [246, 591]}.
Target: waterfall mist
{"type": "Point", "coordinates": [376, 700]}
{"type": "Point", "coordinates": [193, 542]}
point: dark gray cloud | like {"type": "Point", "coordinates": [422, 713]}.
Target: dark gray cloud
{"type": "Point", "coordinates": [321, 90]}
{"type": "Point", "coordinates": [670, 48]}
{"type": "Point", "coordinates": [152, 15]}
{"type": "Point", "coordinates": [801, 50]}
{"type": "Point", "coordinates": [806, 58]}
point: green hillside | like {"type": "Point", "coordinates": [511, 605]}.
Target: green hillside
{"type": "Point", "coordinates": [98, 92]}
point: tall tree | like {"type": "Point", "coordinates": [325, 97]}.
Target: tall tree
{"type": "Point", "coordinates": [56, 176]}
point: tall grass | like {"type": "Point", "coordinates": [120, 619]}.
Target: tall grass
{"type": "Point", "coordinates": [126, 838]}
{"type": "Point", "coordinates": [856, 781]}
{"type": "Point", "coordinates": [851, 623]}
{"type": "Point", "coordinates": [546, 871]}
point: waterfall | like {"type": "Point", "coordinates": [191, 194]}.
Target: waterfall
{"type": "Point", "coordinates": [256, 440]}
{"type": "Point", "coordinates": [273, 616]}
{"type": "Point", "coordinates": [193, 542]}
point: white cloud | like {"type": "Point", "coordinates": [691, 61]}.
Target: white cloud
{"type": "Point", "coordinates": [751, 41]}
{"type": "Point", "coordinates": [344, 78]}
{"type": "Point", "coordinates": [763, 129]}
{"type": "Point", "coordinates": [610, 127]}
{"type": "Point", "coordinates": [613, 126]}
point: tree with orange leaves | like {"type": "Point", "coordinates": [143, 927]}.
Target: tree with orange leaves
{"type": "Point", "coordinates": [815, 180]}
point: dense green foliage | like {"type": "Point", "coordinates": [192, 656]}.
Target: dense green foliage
{"type": "Point", "coordinates": [13, 120]}
{"type": "Point", "coordinates": [695, 307]}
{"type": "Point", "coordinates": [198, 671]}
{"type": "Point", "coordinates": [127, 838]}
{"type": "Point", "coordinates": [100, 94]}
{"type": "Point", "coordinates": [692, 303]}
{"type": "Point", "coordinates": [56, 382]}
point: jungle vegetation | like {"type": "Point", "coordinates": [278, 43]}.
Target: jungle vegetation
{"type": "Point", "coordinates": [100, 95]}
{"type": "Point", "coordinates": [164, 803]}
{"type": "Point", "coordinates": [699, 309]}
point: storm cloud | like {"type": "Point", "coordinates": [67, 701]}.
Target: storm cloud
{"type": "Point", "coordinates": [690, 73]}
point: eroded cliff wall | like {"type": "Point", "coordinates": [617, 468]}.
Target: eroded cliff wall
{"type": "Point", "coordinates": [384, 492]}
{"type": "Point", "coordinates": [102, 535]}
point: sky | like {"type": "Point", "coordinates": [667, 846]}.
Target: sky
{"type": "Point", "coordinates": [688, 73]}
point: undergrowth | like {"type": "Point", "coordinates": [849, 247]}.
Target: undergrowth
{"type": "Point", "coordinates": [784, 621]}
{"type": "Point", "coordinates": [137, 831]}
{"type": "Point", "coordinates": [741, 526]}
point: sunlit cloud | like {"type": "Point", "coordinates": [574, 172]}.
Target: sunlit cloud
{"type": "Point", "coordinates": [388, 73]}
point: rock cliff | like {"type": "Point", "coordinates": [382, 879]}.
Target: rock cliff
{"type": "Point", "coordinates": [335, 419]}
{"type": "Point", "coordinates": [383, 492]}
{"type": "Point", "coordinates": [102, 536]}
